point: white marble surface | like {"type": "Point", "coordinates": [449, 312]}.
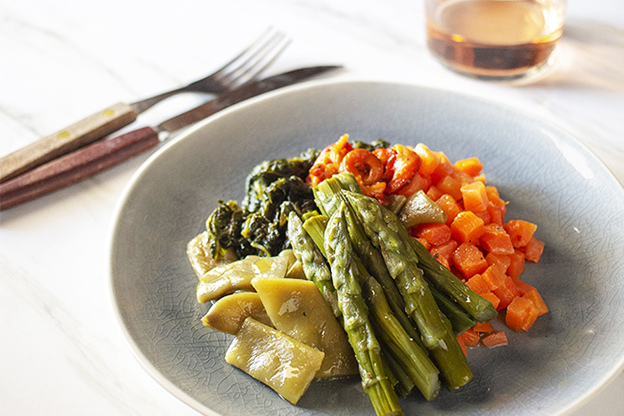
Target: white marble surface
{"type": "Point", "coordinates": [62, 351]}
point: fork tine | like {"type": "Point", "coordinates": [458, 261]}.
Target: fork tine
{"type": "Point", "coordinates": [243, 52]}
{"type": "Point", "coordinates": [261, 63]}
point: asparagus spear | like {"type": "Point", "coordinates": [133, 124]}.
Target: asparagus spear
{"type": "Point", "coordinates": [372, 260]}
{"type": "Point", "coordinates": [460, 320]}
{"type": "Point", "coordinates": [413, 359]}
{"type": "Point", "coordinates": [356, 322]}
{"type": "Point", "coordinates": [383, 229]}
{"type": "Point", "coordinates": [399, 343]}
{"type": "Point", "coordinates": [314, 266]}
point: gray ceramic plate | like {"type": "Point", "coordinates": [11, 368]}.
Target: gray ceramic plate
{"type": "Point", "coordinates": [549, 177]}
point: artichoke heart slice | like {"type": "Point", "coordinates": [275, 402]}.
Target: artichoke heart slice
{"type": "Point", "coordinates": [228, 313]}
{"type": "Point", "coordinates": [277, 360]}
{"type": "Point", "coordinates": [297, 308]}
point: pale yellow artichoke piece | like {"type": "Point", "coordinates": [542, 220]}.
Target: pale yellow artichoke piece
{"type": "Point", "coordinates": [226, 278]}
{"type": "Point", "coordinates": [277, 360]}
{"type": "Point", "coordinates": [228, 313]}
{"type": "Point", "coordinates": [198, 254]}
{"type": "Point", "coordinates": [297, 308]}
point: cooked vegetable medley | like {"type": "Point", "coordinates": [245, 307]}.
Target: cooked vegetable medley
{"type": "Point", "coordinates": [406, 259]}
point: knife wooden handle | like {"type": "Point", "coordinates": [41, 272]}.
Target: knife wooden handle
{"type": "Point", "coordinates": [77, 135]}
{"type": "Point", "coordinates": [76, 166]}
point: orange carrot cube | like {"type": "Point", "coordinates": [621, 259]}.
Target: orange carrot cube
{"type": "Point", "coordinates": [533, 250]}
{"type": "Point", "coordinates": [435, 234]}
{"type": "Point", "coordinates": [493, 277]}
{"type": "Point", "coordinates": [474, 196]}
{"type": "Point", "coordinates": [469, 260]}
{"type": "Point", "coordinates": [516, 265]}
{"type": "Point", "coordinates": [520, 232]}
{"type": "Point", "coordinates": [471, 338]}
{"type": "Point", "coordinates": [418, 183]}
{"type": "Point", "coordinates": [451, 186]}
{"type": "Point", "coordinates": [477, 284]}
{"type": "Point", "coordinates": [501, 260]}
{"type": "Point", "coordinates": [537, 300]}
{"type": "Point", "coordinates": [448, 204]}
{"type": "Point", "coordinates": [445, 249]}
{"type": "Point", "coordinates": [521, 314]}
{"type": "Point", "coordinates": [507, 292]}
{"type": "Point", "coordinates": [492, 298]}
{"type": "Point", "coordinates": [467, 227]}
{"type": "Point", "coordinates": [483, 328]}
{"type": "Point", "coordinates": [462, 344]}
{"type": "Point", "coordinates": [429, 159]}
{"type": "Point", "coordinates": [496, 240]}
{"type": "Point", "coordinates": [495, 339]}
{"type": "Point", "coordinates": [485, 216]}
{"type": "Point", "coordinates": [472, 166]}
{"type": "Point", "coordinates": [434, 193]}
{"type": "Point", "coordinates": [443, 170]}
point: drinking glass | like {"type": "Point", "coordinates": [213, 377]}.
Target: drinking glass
{"type": "Point", "coordinates": [495, 39]}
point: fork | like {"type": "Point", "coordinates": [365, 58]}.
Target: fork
{"type": "Point", "coordinates": [247, 65]}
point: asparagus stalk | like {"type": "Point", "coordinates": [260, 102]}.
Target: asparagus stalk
{"type": "Point", "coordinates": [413, 359]}
{"type": "Point", "coordinates": [356, 322]}
{"type": "Point", "coordinates": [372, 260]}
{"type": "Point", "coordinates": [384, 231]}
{"type": "Point", "coordinates": [460, 320]}
{"type": "Point", "coordinates": [314, 266]}
{"type": "Point", "coordinates": [398, 342]}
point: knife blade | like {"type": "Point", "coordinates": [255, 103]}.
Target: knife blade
{"type": "Point", "coordinates": [104, 154]}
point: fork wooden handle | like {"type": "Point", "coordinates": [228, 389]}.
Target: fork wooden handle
{"type": "Point", "coordinates": [62, 142]}
{"type": "Point", "coordinates": [76, 166]}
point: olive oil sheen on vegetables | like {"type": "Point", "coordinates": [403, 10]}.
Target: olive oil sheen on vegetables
{"type": "Point", "coordinates": [494, 39]}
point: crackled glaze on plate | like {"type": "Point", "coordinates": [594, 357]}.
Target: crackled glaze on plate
{"type": "Point", "coordinates": [547, 175]}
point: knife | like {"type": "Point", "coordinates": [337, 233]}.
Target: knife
{"type": "Point", "coordinates": [104, 154]}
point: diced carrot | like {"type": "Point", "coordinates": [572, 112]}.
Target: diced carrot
{"type": "Point", "coordinates": [434, 193]}
{"type": "Point", "coordinates": [492, 298]}
{"type": "Point", "coordinates": [461, 176]}
{"type": "Point", "coordinates": [474, 196]}
{"type": "Point", "coordinates": [521, 314]}
{"type": "Point", "coordinates": [495, 339]}
{"type": "Point", "coordinates": [516, 265]}
{"type": "Point", "coordinates": [469, 260]}
{"type": "Point", "coordinates": [507, 292]}
{"type": "Point", "coordinates": [472, 166]}
{"type": "Point", "coordinates": [483, 328]}
{"type": "Point", "coordinates": [434, 233]}
{"type": "Point", "coordinates": [448, 204]}
{"type": "Point", "coordinates": [497, 216]}
{"type": "Point", "coordinates": [418, 183]}
{"type": "Point", "coordinates": [533, 250]}
{"type": "Point", "coordinates": [523, 287]}
{"type": "Point", "coordinates": [485, 216]}
{"type": "Point", "coordinates": [493, 277]}
{"type": "Point", "coordinates": [462, 344]}
{"type": "Point", "coordinates": [477, 284]}
{"type": "Point", "coordinates": [520, 232]}
{"type": "Point", "coordinates": [451, 186]}
{"type": "Point", "coordinates": [538, 301]}
{"type": "Point", "coordinates": [467, 227]}
{"type": "Point", "coordinates": [471, 338]}
{"type": "Point", "coordinates": [494, 197]}
{"type": "Point", "coordinates": [496, 240]}
{"type": "Point", "coordinates": [501, 260]}
{"type": "Point", "coordinates": [445, 249]}
{"type": "Point", "coordinates": [480, 178]}
{"type": "Point", "coordinates": [443, 170]}
{"type": "Point", "coordinates": [430, 160]}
